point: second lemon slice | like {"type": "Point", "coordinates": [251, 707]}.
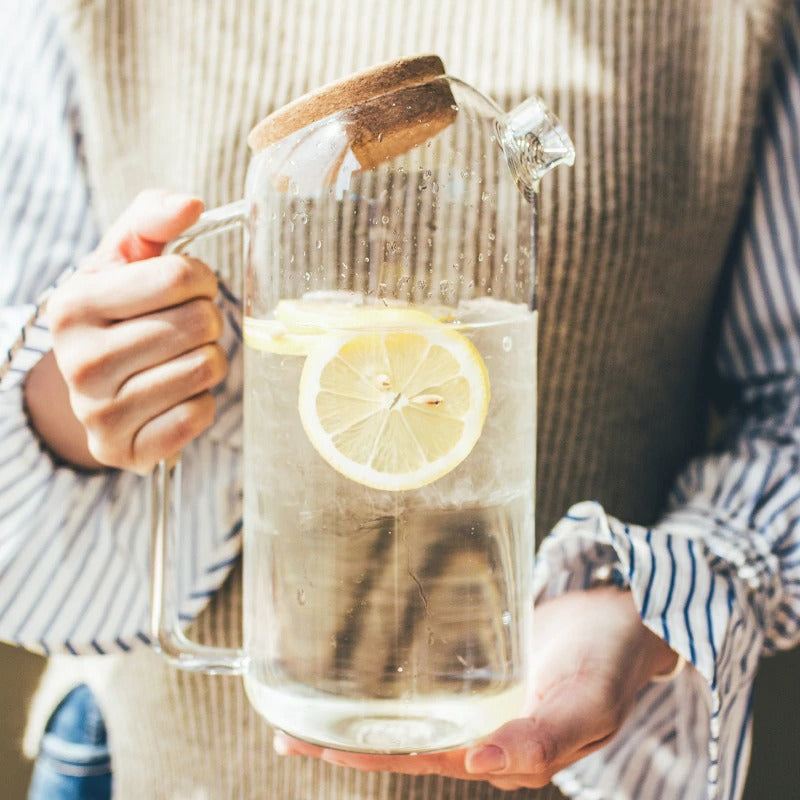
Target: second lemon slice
{"type": "Point", "coordinates": [394, 409]}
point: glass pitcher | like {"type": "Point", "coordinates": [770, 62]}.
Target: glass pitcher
{"type": "Point", "coordinates": [389, 414]}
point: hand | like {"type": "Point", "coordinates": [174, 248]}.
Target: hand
{"type": "Point", "coordinates": [134, 337]}
{"type": "Point", "coordinates": [593, 655]}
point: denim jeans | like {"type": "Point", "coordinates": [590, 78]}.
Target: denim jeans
{"type": "Point", "coordinates": [73, 762]}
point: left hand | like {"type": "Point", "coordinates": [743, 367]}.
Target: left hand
{"type": "Point", "coordinates": [593, 655]}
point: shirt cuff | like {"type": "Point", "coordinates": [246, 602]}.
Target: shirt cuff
{"type": "Point", "coordinates": [693, 591]}
{"type": "Point", "coordinates": [25, 341]}
{"type": "Point", "coordinates": [26, 336]}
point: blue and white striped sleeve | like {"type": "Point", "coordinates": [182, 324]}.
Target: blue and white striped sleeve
{"type": "Point", "coordinates": [719, 576]}
{"type": "Point", "coordinates": [74, 545]}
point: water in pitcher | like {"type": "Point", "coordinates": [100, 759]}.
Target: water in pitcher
{"type": "Point", "coordinates": [387, 583]}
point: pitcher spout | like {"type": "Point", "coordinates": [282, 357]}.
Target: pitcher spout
{"type": "Point", "coordinates": [534, 142]}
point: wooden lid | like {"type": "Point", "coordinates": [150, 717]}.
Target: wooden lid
{"type": "Point", "coordinates": [390, 108]}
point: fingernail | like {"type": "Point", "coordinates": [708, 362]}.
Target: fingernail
{"type": "Point", "coordinates": [175, 201]}
{"type": "Point", "coordinates": [486, 758]}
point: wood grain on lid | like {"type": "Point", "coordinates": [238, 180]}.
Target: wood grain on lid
{"type": "Point", "coordinates": [351, 91]}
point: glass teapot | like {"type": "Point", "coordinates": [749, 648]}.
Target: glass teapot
{"type": "Point", "coordinates": [389, 413]}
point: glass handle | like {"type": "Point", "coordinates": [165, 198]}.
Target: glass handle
{"type": "Point", "coordinates": [165, 525]}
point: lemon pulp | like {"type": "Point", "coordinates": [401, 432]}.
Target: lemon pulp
{"type": "Point", "coordinates": [397, 406]}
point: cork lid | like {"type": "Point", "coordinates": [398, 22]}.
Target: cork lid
{"type": "Point", "coordinates": [388, 109]}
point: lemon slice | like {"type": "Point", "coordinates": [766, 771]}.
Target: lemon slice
{"type": "Point", "coordinates": [272, 336]}
{"type": "Point", "coordinates": [298, 323]}
{"type": "Point", "coordinates": [319, 311]}
{"type": "Point", "coordinates": [394, 409]}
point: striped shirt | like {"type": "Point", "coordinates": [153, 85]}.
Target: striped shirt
{"type": "Point", "coordinates": [718, 577]}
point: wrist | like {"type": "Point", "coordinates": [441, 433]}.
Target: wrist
{"type": "Point", "coordinates": [48, 408]}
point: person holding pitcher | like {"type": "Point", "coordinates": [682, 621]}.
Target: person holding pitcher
{"type": "Point", "coordinates": [147, 362]}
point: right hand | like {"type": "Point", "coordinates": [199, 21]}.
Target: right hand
{"type": "Point", "coordinates": [135, 337]}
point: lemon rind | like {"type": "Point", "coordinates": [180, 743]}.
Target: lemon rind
{"type": "Point", "coordinates": [472, 367]}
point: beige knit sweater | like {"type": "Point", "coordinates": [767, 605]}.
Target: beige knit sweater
{"type": "Point", "coordinates": [661, 99]}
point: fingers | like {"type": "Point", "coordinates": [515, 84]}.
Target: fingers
{"type": "Point", "coordinates": [447, 763]}
{"type": "Point", "coordinates": [557, 734]}
{"type": "Point", "coordinates": [154, 217]}
{"type": "Point", "coordinates": [451, 763]}
{"type": "Point", "coordinates": [140, 288]}
{"type": "Point", "coordinates": [157, 412]}
{"type": "Point", "coordinates": [170, 432]}
{"type": "Point", "coordinates": [97, 366]}
{"type": "Point", "coordinates": [139, 387]}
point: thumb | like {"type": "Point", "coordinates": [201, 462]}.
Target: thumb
{"type": "Point", "coordinates": [565, 726]}
{"type": "Point", "coordinates": [154, 217]}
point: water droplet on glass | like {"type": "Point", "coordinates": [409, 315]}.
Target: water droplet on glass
{"type": "Point", "coordinates": [484, 196]}
{"type": "Point", "coordinates": [491, 237]}
{"type": "Point", "coordinates": [385, 219]}
{"type": "Point", "coordinates": [506, 618]}
{"type": "Point", "coordinates": [480, 256]}
{"type": "Point", "coordinates": [319, 244]}
{"type": "Point", "coordinates": [399, 669]}
{"type": "Point", "coordinates": [301, 596]}
{"type": "Point", "coordinates": [507, 344]}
